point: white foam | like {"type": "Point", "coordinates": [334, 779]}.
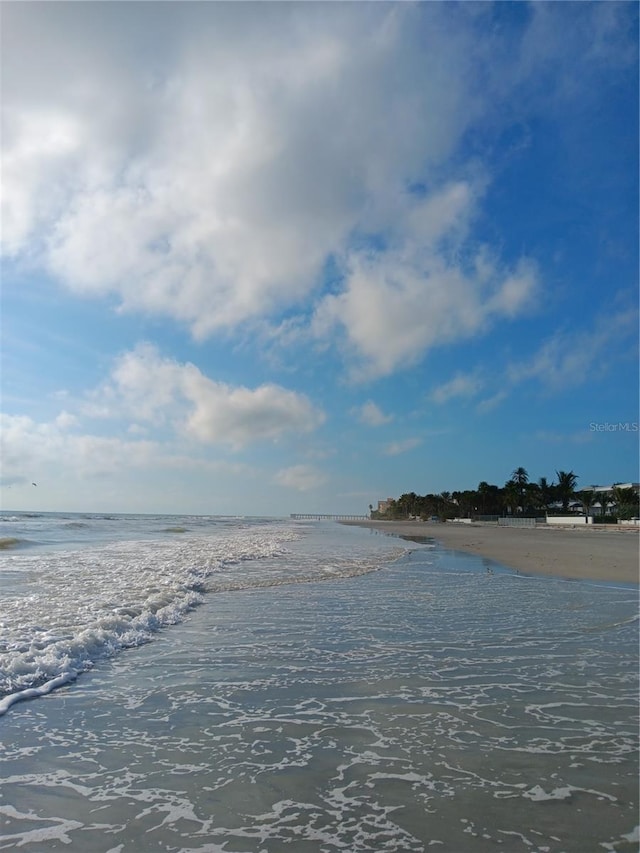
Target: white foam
{"type": "Point", "coordinates": [632, 837]}
{"type": "Point", "coordinates": [57, 829]}
{"type": "Point", "coordinates": [32, 692]}
{"type": "Point", "coordinates": [70, 609]}
{"type": "Point", "coordinates": [539, 795]}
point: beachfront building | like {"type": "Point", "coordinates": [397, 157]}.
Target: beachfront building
{"type": "Point", "coordinates": [606, 501]}
{"type": "Point", "coordinates": [383, 506]}
{"type": "Point", "coordinates": [634, 486]}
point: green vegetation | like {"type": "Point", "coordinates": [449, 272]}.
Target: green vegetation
{"type": "Point", "coordinates": [626, 503]}
{"type": "Point", "coordinates": [518, 496]}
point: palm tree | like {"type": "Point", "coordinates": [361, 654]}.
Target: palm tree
{"type": "Point", "coordinates": [470, 501]}
{"type": "Point", "coordinates": [446, 505]}
{"type": "Point", "coordinates": [511, 496]}
{"type": "Point", "coordinates": [626, 501]}
{"type": "Point", "coordinates": [566, 487]}
{"type": "Point", "coordinates": [545, 493]}
{"type": "Point", "coordinates": [483, 490]}
{"type": "Point", "coordinates": [432, 505]}
{"type": "Point", "coordinates": [407, 504]}
{"type": "Point", "coordinates": [493, 500]}
{"type": "Point", "coordinates": [532, 496]}
{"type": "Point", "coordinates": [603, 498]}
{"type": "Point", "coordinates": [520, 478]}
{"type": "Point", "coordinates": [587, 498]}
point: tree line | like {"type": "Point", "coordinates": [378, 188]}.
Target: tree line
{"type": "Point", "coordinates": [518, 496]}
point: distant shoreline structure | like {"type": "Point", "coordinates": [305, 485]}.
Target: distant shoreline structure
{"type": "Point", "coordinates": [315, 516]}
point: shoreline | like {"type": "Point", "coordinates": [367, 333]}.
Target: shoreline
{"type": "Point", "coordinates": [581, 553]}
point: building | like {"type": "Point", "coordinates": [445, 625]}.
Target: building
{"type": "Point", "coordinates": [606, 489]}
{"type": "Point", "coordinates": [604, 506]}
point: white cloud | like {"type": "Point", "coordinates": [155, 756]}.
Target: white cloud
{"type": "Point", "coordinates": [136, 429]}
{"type": "Point", "coordinates": [66, 463]}
{"type": "Point", "coordinates": [300, 477]}
{"type": "Point", "coordinates": [603, 33]}
{"type": "Point", "coordinates": [65, 420]}
{"type": "Point", "coordinates": [29, 448]}
{"type": "Point", "coordinates": [147, 387]}
{"type": "Point", "coordinates": [238, 148]}
{"type": "Point", "coordinates": [213, 189]}
{"type": "Point", "coordinates": [371, 414]}
{"type": "Point", "coordinates": [427, 288]}
{"type": "Point", "coordinates": [156, 397]}
{"type": "Point", "coordinates": [492, 401]}
{"type": "Point", "coordinates": [462, 385]}
{"type": "Point", "coordinates": [213, 183]}
{"type": "Point", "coordinates": [398, 447]}
{"type": "Point", "coordinates": [572, 358]}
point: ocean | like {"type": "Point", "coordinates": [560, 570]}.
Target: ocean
{"type": "Point", "coordinates": [208, 684]}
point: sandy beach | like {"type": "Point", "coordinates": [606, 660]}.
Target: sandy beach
{"type": "Point", "coordinates": [593, 553]}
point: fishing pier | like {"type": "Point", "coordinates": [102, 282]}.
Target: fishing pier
{"type": "Point", "coordinates": [314, 516]}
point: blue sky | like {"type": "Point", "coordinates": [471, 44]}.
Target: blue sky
{"type": "Point", "coordinates": [273, 258]}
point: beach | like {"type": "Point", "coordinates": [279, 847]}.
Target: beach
{"type": "Point", "coordinates": [585, 552]}
{"type": "Point", "coordinates": [256, 685]}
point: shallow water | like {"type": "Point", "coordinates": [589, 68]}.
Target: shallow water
{"type": "Point", "coordinates": [75, 590]}
{"type": "Point", "coordinates": [439, 703]}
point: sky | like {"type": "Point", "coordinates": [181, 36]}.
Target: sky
{"type": "Point", "coordinates": [272, 258]}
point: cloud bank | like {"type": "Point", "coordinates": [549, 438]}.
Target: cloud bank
{"type": "Point", "coordinates": [186, 412]}
{"type": "Point", "coordinates": [208, 164]}
{"type": "Point", "coordinates": [146, 387]}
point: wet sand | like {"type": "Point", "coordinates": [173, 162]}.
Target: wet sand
{"type": "Point", "coordinates": [594, 553]}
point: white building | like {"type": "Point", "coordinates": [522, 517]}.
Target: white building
{"type": "Point", "coordinates": [606, 489]}
{"type": "Point", "coordinates": [605, 505]}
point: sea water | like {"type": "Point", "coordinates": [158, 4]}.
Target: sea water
{"type": "Point", "coordinates": [208, 684]}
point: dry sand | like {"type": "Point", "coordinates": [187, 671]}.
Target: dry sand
{"type": "Point", "coordinates": [588, 552]}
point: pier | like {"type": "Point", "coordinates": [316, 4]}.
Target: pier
{"type": "Point", "coordinates": [314, 516]}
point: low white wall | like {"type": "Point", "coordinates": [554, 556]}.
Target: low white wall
{"type": "Point", "coordinates": [566, 519]}
{"type": "Point", "coordinates": [633, 522]}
